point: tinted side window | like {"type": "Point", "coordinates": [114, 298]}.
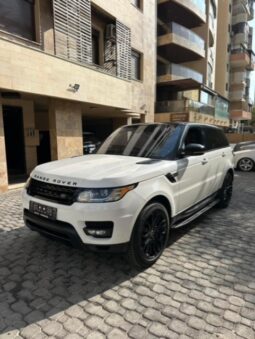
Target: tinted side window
{"type": "Point", "coordinates": [215, 138]}
{"type": "Point", "coordinates": [194, 136]}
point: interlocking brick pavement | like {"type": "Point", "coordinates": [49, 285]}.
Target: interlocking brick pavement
{"type": "Point", "coordinates": [202, 287]}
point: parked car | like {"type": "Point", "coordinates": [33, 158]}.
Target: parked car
{"type": "Point", "coordinates": [90, 143]}
{"type": "Point", "coordinates": [144, 180]}
{"type": "Point", "coordinates": [244, 156]}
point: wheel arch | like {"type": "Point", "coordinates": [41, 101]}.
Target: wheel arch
{"type": "Point", "coordinates": [164, 201]}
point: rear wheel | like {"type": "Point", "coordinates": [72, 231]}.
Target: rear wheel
{"type": "Point", "coordinates": [150, 236]}
{"type": "Point", "coordinates": [245, 164]}
{"type": "Point", "coordinates": [226, 191]}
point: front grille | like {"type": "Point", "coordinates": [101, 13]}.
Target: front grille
{"type": "Point", "coordinates": [53, 228]}
{"type": "Point", "coordinates": [56, 193]}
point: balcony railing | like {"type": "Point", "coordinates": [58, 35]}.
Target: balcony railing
{"type": "Point", "coordinates": [184, 106]}
{"type": "Point", "coordinates": [186, 33]}
{"type": "Point", "coordinates": [180, 71]}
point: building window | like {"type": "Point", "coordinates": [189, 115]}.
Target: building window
{"type": "Point", "coordinates": [95, 47]}
{"type": "Point", "coordinates": [136, 68]}
{"type": "Point", "coordinates": [137, 3]}
{"type": "Point", "coordinates": [18, 17]}
{"type": "Point", "coordinates": [227, 87]}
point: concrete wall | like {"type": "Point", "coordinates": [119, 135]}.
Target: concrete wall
{"type": "Point", "coordinates": [46, 25]}
{"type": "Point", "coordinates": [222, 54]}
{"type": "Point", "coordinates": [39, 73]}
{"type": "Point", "coordinates": [3, 165]}
{"type": "Point", "coordinates": [236, 138]}
{"type": "Point", "coordinates": [31, 141]}
{"type": "Point", "coordinates": [65, 120]}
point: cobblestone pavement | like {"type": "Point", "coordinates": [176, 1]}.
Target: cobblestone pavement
{"type": "Point", "coordinates": [203, 287]}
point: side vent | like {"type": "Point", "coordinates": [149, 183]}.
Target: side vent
{"type": "Point", "coordinates": [172, 177]}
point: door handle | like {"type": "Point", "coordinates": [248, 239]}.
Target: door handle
{"type": "Point", "coordinates": [223, 155]}
{"type": "Point", "coordinates": [204, 161]}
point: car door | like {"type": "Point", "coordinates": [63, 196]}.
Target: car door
{"type": "Point", "coordinates": [193, 171]}
{"type": "Point", "coordinates": [218, 151]}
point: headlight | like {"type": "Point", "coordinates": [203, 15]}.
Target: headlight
{"type": "Point", "coordinates": [27, 183]}
{"type": "Point", "coordinates": [98, 195]}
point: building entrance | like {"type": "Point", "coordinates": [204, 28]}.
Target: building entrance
{"type": "Point", "coordinates": [43, 150]}
{"type": "Point", "coordinates": [14, 142]}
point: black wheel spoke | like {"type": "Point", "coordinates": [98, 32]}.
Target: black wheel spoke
{"type": "Point", "coordinates": [153, 235]}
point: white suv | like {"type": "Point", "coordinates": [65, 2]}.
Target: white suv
{"type": "Point", "coordinates": [144, 180]}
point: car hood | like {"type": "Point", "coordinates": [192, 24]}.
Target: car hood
{"type": "Point", "coordinates": [102, 170]}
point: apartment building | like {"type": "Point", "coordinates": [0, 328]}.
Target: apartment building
{"type": "Point", "coordinates": [186, 63]}
{"type": "Point", "coordinates": [69, 66]}
{"type": "Point", "coordinates": [241, 62]}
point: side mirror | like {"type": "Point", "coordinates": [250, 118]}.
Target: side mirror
{"type": "Point", "coordinates": [193, 149]}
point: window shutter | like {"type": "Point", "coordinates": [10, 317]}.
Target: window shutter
{"type": "Point", "coordinates": [123, 51]}
{"type": "Point", "coordinates": [72, 26]}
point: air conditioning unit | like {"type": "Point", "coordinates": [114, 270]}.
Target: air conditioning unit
{"type": "Point", "coordinates": [110, 32]}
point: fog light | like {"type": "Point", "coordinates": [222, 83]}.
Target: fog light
{"type": "Point", "coordinates": [100, 229]}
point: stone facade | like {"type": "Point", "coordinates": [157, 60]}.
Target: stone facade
{"type": "Point", "coordinates": [65, 129]}
{"type": "Point", "coordinates": [39, 82]}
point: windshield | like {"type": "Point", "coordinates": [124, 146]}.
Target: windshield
{"type": "Point", "coordinates": [156, 141]}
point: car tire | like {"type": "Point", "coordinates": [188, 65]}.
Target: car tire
{"type": "Point", "coordinates": [150, 236]}
{"type": "Point", "coordinates": [226, 191]}
{"type": "Point", "coordinates": [245, 165]}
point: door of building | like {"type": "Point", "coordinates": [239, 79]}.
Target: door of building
{"type": "Point", "coordinates": [43, 150]}
{"type": "Point", "coordinates": [14, 141]}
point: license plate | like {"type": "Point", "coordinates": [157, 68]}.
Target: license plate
{"type": "Point", "coordinates": [43, 210]}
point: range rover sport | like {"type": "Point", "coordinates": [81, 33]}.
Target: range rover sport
{"type": "Point", "coordinates": [144, 180]}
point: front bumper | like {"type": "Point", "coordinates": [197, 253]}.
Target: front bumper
{"type": "Point", "coordinates": [71, 220]}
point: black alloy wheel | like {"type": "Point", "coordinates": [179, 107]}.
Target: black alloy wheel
{"type": "Point", "coordinates": [226, 191]}
{"type": "Point", "coordinates": [150, 235]}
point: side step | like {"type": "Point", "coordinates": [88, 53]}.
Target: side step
{"type": "Point", "coordinates": [196, 215]}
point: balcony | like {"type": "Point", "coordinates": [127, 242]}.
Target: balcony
{"type": "Point", "coordinates": [180, 44]}
{"type": "Point", "coordinates": [239, 115]}
{"type": "Point", "coordinates": [173, 74]}
{"type": "Point", "coordinates": [242, 58]}
{"type": "Point", "coordinates": [190, 13]}
{"type": "Point", "coordinates": [184, 106]}
{"type": "Point", "coordinates": [241, 106]}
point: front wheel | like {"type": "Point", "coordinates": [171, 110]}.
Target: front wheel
{"type": "Point", "coordinates": [245, 164]}
{"type": "Point", "coordinates": [149, 236]}
{"type": "Point", "coordinates": [226, 191]}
